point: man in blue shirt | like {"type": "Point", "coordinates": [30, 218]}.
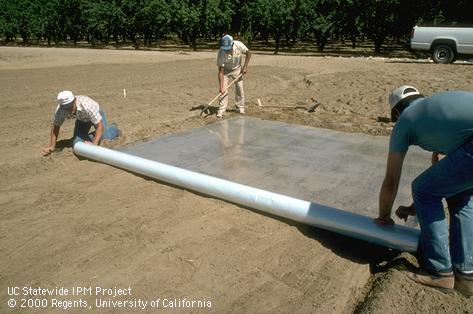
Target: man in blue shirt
{"type": "Point", "coordinates": [442, 124]}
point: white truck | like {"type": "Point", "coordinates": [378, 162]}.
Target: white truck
{"type": "Point", "coordinates": [444, 43]}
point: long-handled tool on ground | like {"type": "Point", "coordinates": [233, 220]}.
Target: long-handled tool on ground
{"type": "Point", "coordinates": [309, 109]}
{"type": "Point", "coordinates": [206, 108]}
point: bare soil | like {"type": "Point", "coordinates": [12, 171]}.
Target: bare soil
{"type": "Point", "coordinates": [70, 222]}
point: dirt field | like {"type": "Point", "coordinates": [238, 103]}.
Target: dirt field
{"type": "Point", "coordinates": [68, 222]}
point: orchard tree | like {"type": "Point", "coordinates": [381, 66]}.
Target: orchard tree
{"type": "Point", "coordinates": [347, 20]}
{"type": "Point", "coordinates": [271, 17]}
{"type": "Point", "coordinates": [378, 18]}
{"type": "Point", "coordinates": [8, 19]}
{"type": "Point", "coordinates": [132, 26]}
{"type": "Point", "coordinates": [216, 18]}
{"type": "Point", "coordinates": [323, 21]}
{"type": "Point", "coordinates": [46, 20]}
{"type": "Point", "coordinates": [155, 17]}
{"type": "Point", "coordinates": [103, 19]}
{"type": "Point", "coordinates": [316, 19]}
{"type": "Point", "coordinates": [185, 20]}
{"type": "Point", "coordinates": [458, 12]}
{"type": "Point", "coordinates": [69, 20]}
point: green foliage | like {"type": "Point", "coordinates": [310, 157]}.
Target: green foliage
{"type": "Point", "coordinates": [459, 11]}
{"type": "Point", "coordinates": [131, 21]}
{"type": "Point", "coordinates": [155, 17]}
{"type": "Point", "coordinates": [270, 18]}
{"type": "Point", "coordinates": [323, 22]}
{"type": "Point", "coordinates": [103, 19]}
{"type": "Point", "coordinates": [378, 20]}
{"type": "Point", "coordinates": [8, 19]}
{"type": "Point", "coordinates": [70, 19]}
{"type": "Point", "coordinates": [284, 21]}
{"type": "Point", "coordinates": [216, 18]}
{"type": "Point", "coordinates": [185, 20]}
{"type": "Point", "coordinates": [347, 21]}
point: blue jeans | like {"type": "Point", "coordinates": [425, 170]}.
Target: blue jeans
{"type": "Point", "coordinates": [81, 130]}
{"type": "Point", "coordinates": [441, 248]}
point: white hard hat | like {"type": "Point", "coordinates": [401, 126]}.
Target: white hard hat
{"type": "Point", "coordinates": [65, 98]}
{"type": "Point", "coordinates": [400, 98]}
{"type": "Point", "coordinates": [400, 93]}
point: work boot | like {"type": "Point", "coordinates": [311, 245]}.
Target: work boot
{"type": "Point", "coordinates": [441, 281]}
{"type": "Point", "coordinates": [464, 284]}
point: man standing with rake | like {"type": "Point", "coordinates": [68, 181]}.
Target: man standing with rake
{"type": "Point", "coordinates": [230, 68]}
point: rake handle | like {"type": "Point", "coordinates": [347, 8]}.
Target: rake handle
{"type": "Point", "coordinates": [216, 97]}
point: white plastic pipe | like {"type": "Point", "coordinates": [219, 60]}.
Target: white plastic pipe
{"type": "Point", "coordinates": [353, 225]}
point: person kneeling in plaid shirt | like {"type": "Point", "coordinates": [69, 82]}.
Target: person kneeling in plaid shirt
{"type": "Point", "coordinates": [87, 113]}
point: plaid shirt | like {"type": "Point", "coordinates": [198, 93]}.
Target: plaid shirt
{"type": "Point", "coordinates": [87, 110]}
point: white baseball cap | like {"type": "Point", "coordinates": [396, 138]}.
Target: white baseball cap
{"type": "Point", "coordinates": [65, 98]}
{"type": "Point", "coordinates": [400, 98]}
{"type": "Point", "coordinates": [226, 42]}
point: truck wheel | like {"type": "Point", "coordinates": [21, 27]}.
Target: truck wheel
{"type": "Point", "coordinates": [443, 54]}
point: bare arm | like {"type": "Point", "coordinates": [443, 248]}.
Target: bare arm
{"type": "Point", "coordinates": [223, 89]}
{"type": "Point", "coordinates": [403, 212]}
{"type": "Point", "coordinates": [52, 142]}
{"type": "Point", "coordinates": [98, 133]}
{"type": "Point", "coordinates": [247, 60]}
{"type": "Point", "coordinates": [390, 186]}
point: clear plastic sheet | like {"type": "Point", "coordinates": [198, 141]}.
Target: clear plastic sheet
{"type": "Point", "coordinates": [281, 169]}
{"type": "Point", "coordinates": [337, 169]}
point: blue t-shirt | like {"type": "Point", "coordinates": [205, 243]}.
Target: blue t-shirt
{"type": "Point", "coordinates": [440, 123]}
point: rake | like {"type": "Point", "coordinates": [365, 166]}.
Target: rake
{"type": "Point", "coordinates": [206, 108]}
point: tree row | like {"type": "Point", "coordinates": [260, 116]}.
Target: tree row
{"type": "Point", "coordinates": [285, 22]}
